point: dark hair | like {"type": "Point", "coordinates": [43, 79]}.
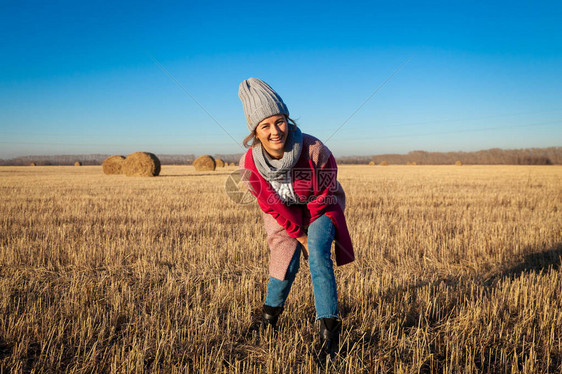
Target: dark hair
{"type": "Point", "coordinates": [252, 140]}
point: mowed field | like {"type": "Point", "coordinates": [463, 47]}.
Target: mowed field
{"type": "Point", "coordinates": [457, 270]}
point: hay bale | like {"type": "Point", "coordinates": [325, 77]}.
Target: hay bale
{"type": "Point", "coordinates": [141, 164]}
{"type": "Point", "coordinates": [458, 163]}
{"type": "Point", "coordinates": [384, 163]}
{"type": "Point", "coordinates": [413, 163]}
{"type": "Point", "coordinates": [77, 163]}
{"type": "Point", "coordinates": [232, 164]}
{"type": "Point", "coordinates": [32, 164]}
{"type": "Point", "coordinates": [205, 163]}
{"type": "Point", "coordinates": [220, 163]}
{"type": "Point", "coordinates": [113, 164]}
{"type": "Point", "coordinates": [372, 163]}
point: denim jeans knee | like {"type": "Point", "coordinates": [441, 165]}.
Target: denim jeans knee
{"type": "Point", "coordinates": [321, 234]}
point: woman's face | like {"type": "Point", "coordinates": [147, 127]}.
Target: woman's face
{"type": "Point", "coordinates": [272, 133]}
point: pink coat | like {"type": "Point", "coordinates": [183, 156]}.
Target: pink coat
{"type": "Point", "coordinates": [315, 182]}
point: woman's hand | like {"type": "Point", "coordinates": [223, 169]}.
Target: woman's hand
{"type": "Point", "coordinates": [304, 241]}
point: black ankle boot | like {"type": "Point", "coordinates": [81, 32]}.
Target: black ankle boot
{"type": "Point", "coordinates": [270, 316]}
{"type": "Point", "coordinates": [329, 338]}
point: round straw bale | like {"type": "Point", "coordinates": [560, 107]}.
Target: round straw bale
{"type": "Point", "coordinates": [372, 163]}
{"type": "Point", "coordinates": [204, 163]}
{"type": "Point", "coordinates": [384, 163]}
{"type": "Point", "coordinates": [77, 163]}
{"type": "Point", "coordinates": [219, 163]}
{"type": "Point", "coordinates": [458, 163]}
{"type": "Point", "coordinates": [232, 164]}
{"type": "Point", "coordinates": [113, 164]}
{"type": "Point", "coordinates": [141, 164]}
{"type": "Point", "coordinates": [32, 164]}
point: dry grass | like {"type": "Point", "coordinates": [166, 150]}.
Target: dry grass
{"type": "Point", "coordinates": [458, 270]}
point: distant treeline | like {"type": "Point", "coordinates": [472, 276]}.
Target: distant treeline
{"type": "Point", "coordinates": [91, 159]}
{"type": "Point", "coordinates": [494, 156]}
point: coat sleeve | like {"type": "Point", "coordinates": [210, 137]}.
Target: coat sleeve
{"type": "Point", "coordinates": [292, 226]}
{"type": "Point", "coordinates": [325, 186]}
{"type": "Point", "coordinates": [288, 217]}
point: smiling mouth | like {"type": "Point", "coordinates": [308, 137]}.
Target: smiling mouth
{"type": "Point", "coordinates": [276, 140]}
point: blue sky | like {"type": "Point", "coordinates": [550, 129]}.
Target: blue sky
{"type": "Point", "coordinates": [87, 77]}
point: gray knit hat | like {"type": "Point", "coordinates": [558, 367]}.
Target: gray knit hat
{"type": "Point", "coordinates": [260, 101]}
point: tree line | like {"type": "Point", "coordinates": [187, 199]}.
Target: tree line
{"type": "Point", "coordinates": [494, 156]}
{"type": "Point", "coordinates": [88, 159]}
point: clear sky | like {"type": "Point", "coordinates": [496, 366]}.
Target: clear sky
{"type": "Point", "coordinates": [90, 77]}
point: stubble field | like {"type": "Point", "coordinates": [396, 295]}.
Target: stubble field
{"type": "Point", "coordinates": [457, 270]}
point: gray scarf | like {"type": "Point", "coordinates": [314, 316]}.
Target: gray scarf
{"type": "Point", "coordinates": [277, 170]}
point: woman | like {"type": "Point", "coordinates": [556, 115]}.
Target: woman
{"type": "Point", "coordinates": [293, 176]}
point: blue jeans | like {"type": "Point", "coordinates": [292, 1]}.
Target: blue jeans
{"type": "Point", "coordinates": [320, 236]}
